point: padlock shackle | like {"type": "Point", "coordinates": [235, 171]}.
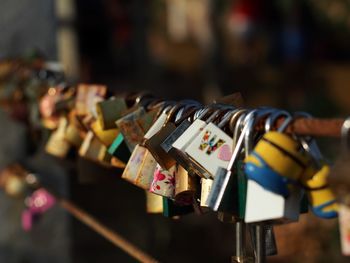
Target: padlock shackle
{"type": "Point", "coordinates": [270, 121]}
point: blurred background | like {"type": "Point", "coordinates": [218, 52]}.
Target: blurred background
{"type": "Point", "coordinates": [292, 54]}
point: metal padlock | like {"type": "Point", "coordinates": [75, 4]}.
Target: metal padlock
{"type": "Point", "coordinates": [57, 145]}
{"type": "Point", "coordinates": [187, 136]}
{"type": "Point", "coordinates": [211, 149]}
{"type": "Point", "coordinates": [154, 143]}
{"type": "Point", "coordinates": [109, 111]}
{"type": "Point", "coordinates": [222, 187]}
{"type": "Point", "coordinates": [186, 185]}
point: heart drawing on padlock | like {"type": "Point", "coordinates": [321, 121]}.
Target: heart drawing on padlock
{"type": "Point", "coordinates": [225, 153]}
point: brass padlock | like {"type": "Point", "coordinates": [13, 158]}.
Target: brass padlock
{"type": "Point", "coordinates": [153, 144]}
{"type": "Point", "coordinates": [186, 186]}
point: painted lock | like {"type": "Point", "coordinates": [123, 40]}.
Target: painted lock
{"type": "Point", "coordinates": [134, 126]}
{"type": "Point", "coordinates": [164, 181]}
{"type": "Point", "coordinates": [321, 198]}
{"type": "Point", "coordinates": [141, 165]}
{"type": "Point", "coordinates": [153, 144]}
{"type": "Point", "coordinates": [211, 149]}
{"type": "Point", "coordinates": [276, 162]}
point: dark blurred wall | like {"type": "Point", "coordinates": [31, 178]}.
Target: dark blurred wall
{"type": "Point", "coordinates": [27, 26]}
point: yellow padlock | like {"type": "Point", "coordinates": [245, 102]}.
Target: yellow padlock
{"type": "Point", "coordinates": [321, 197]}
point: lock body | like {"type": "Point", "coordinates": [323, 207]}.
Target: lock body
{"type": "Point", "coordinates": [210, 150]}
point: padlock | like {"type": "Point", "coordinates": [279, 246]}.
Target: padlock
{"type": "Point", "coordinates": [281, 204]}
{"type": "Point", "coordinates": [134, 125]}
{"type": "Point", "coordinates": [223, 176]}
{"type": "Point", "coordinates": [262, 235]}
{"type": "Point", "coordinates": [340, 185]}
{"type": "Point", "coordinates": [211, 149]}
{"type": "Point", "coordinates": [106, 137]}
{"type": "Point", "coordinates": [224, 182]}
{"type": "Point", "coordinates": [87, 97]}
{"type": "Point", "coordinates": [141, 165]}
{"type": "Point", "coordinates": [109, 111]}
{"type": "Point", "coordinates": [57, 145]}
{"type": "Point", "coordinates": [164, 181]}
{"type": "Point", "coordinates": [134, 163]}
{"type": "Point", "coordinates": [321, 198]}
{"type": "Point", "coordinates": [315, 180]}
{"type": "Point", "coordinates": [154, 203]}
{"type": "Point", "coordinates": [154, 144]}
{"type": "Point", "coordinates": [181, 143]}
{"type": "Point", "coordinates": [339, 178]}
{"type": "Point", "coordinates": [186, 185]}
{"type": "Point", "coordinates": [344, 228]}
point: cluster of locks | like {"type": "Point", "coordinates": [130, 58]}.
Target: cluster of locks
{"type": "Point", "coordinates": [189, 156]}
{"type": "Point", "coordinates": [188, 152]}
